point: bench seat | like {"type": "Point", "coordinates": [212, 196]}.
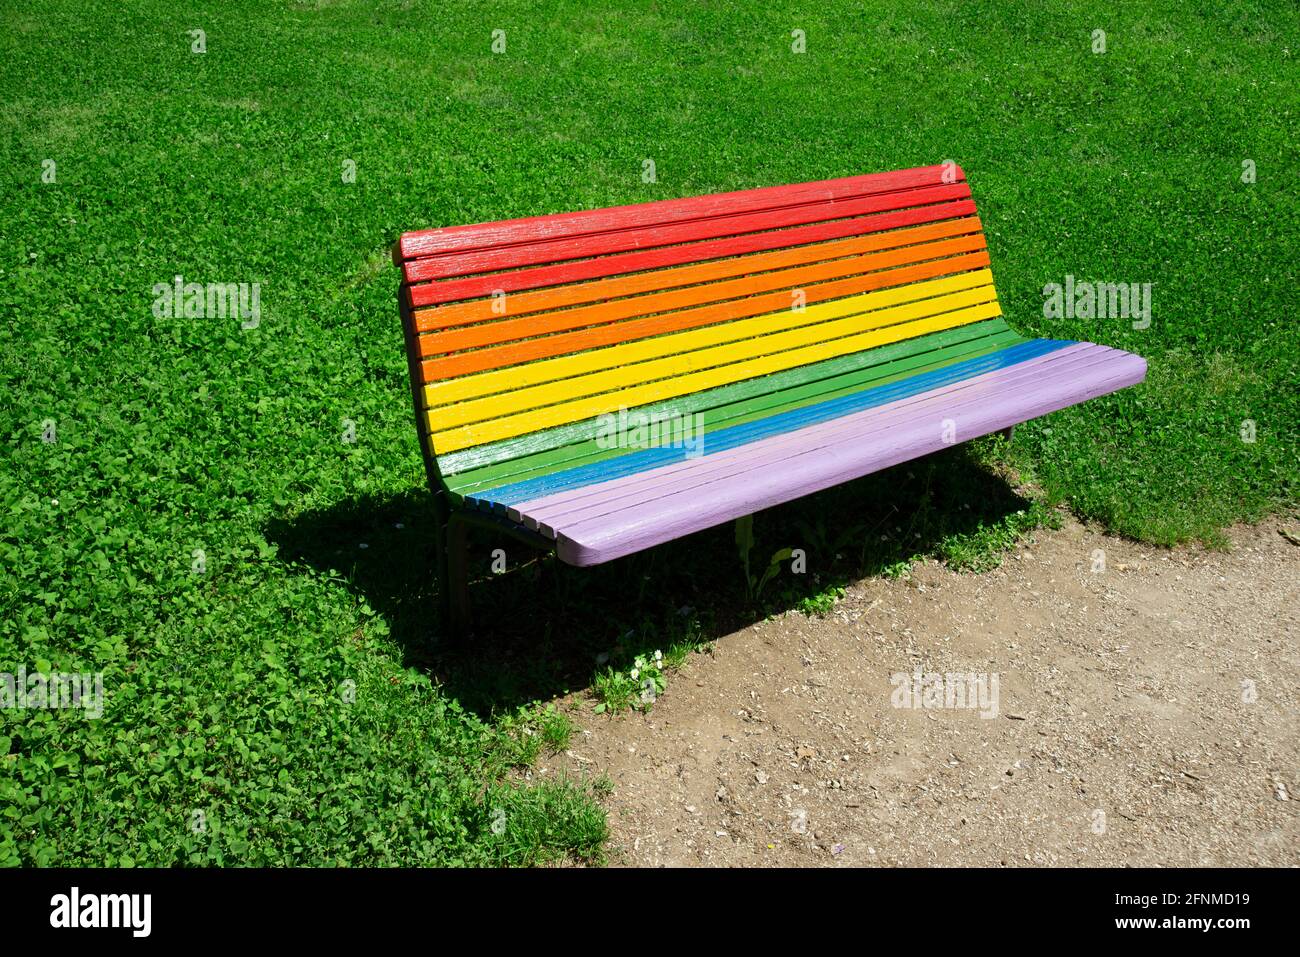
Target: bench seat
{"type": "Point", "coordinates": [605, 510]}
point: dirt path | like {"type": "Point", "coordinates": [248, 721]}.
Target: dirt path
{"type": "Point", "coordinates": [1147, 714]}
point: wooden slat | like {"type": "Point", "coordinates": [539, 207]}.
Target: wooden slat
{"type": "Point", "coordinates": [663, 280]}
{"type": "Point", "coordinates": [753, 407]}
{"type": "Point", "coordinates": [622, 358]}
{"type": "Point", "coordinates": [459, 239]}
{"type": "Point", "coordinates": [530, 421]}
{"type": "Point", "coordinates": [613, 334]}
{"type": "Point", "coordinates": [995, 402]}
{"type": "Point", "coordinates": [504, 457]}
{"type": "Point", "coordinates": [551, 499]}
{"type": "Point", "coordinates": [677, 323]}
{"type": "Point", "coordinates": [696, 477]}
{"type": "Point", "coordinates": [618, 264]}
{"type": "Point", "coordinates": [803, 277]}
{"type": "Point", "coordinates": [555, 250]}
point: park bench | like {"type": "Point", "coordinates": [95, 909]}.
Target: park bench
{"type": "Point", "coordinates": [602, 381]}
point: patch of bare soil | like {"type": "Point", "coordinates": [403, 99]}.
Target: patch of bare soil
{"type": "Point", "coordinates": [1147, 714]}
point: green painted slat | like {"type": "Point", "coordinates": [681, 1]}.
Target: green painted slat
{"type": "Point", "coordinates": [766, 396]}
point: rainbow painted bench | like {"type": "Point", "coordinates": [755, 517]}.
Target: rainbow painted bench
{"type": "Point", "coordinates": [599, 382]}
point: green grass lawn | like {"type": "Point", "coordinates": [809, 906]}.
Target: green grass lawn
{"type": "Point", "coordinates": [287, 705]}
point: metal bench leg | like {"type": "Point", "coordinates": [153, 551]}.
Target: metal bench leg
{"type": "Point", "coordinates": [457, 580]}
{"type": "Point", "coordinates": [1008, 432]}
{"type": "Point", "coordinates": [442, 607]}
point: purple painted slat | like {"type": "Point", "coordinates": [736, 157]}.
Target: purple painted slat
{"type": "Point", "coordinates": [575, 505]}
{"type": "Point", "coordinates": [606, 537]}
{"type": "Point", "coordinates": [935, 406]}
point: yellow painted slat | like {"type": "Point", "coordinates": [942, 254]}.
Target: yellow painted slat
{"type": "Point", "coordinates": [681, 363]}
{"type": "Point", "coordinates": [567, 367]}
{"type": "Point", "coordinates": [452, 439]}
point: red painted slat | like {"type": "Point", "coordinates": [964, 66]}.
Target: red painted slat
{"type": "Point", "coordinates": [481, 236]}
{"type": "Point", "coordinates": [472, 287]}
{"type": "Point", "coordinates": [463, 264]}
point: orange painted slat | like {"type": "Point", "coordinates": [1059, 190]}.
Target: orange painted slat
{"type": "Point", "coordinates": [514, 353]}
{"type": "Point", "coordinates": [529, 327]}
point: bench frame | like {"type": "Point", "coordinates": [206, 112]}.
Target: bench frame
{"type": "Point", "coordinates": [450, 524]}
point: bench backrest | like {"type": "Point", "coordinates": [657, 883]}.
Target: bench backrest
{"type": "Point", "coordinates": [524, 335]}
